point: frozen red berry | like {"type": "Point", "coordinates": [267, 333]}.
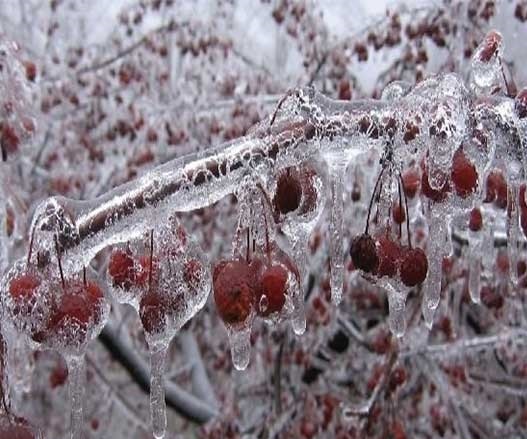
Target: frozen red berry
{"type": "Point", "coordinates": [411, 181]}
{"type": "Point", "coordinates": [436, 195]}
{"type": "Point", "coordinates": [23, 288]}
{"type": "Point", "coordinates": [288, 193]}
{"type": "Point", "coordinates": [389, 254]}
{"type": "Point", "coordinates": [121, 269]}
{"type": "Point", "coordinates": [464, 175]}
{"type": "Point", "coordinates": [152, 311]}
{"type": "Point", "coordinates": [520, 104]}
{"type": "Point", "coordinates": [364, 253]}
{"type": "Point", "coordinates": [234, 291]}
{"type": "Point", "coordinates": [496, 189]}
{"type": "Point", "coordinates": [490, 46]}
{"type": "Point", "coordinates": [398, 213]}
{"type": "Point", "coordinates": [414, 267]}
{"type": "Point", "coordinates": [272, 287]}
{"type": "Point", "coordinates": [475, 221]}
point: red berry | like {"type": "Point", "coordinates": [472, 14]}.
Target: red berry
{"type": "Point", "coordinates": [234, 288]}
{"type": "Point", "coordinates": [398, 213]}
{"type": "Point", "coordinates": [9, 139]}
{"type": "Point", "coordinates": [464, 174]}
{"type": "Point", "coordinates": [143, 273]}
{"type": "Point", "coordinates": [121, 269]}
{"type": "Point", "coordinates": [78, 308]}
{"type": "Point", "coordinates": [58, 375]}
{"type": "Point", "coordinates": [152, 311]}
{"type": "Point", "coordinates": [389, 253]}
{"type": "Point", "coordinates": [496, 189]}
{"type": "Point", "coordinates": [31, 70]}
{"type": "Point", "coordinates": [364, 253]}
{"type": "Point", "coordinates": [490, 46]}
{"type": "Point", "coordinates": [272, 285]}
{"type": "Point", "coordinates": [411, 182]}
{"type": "Point", "coordinates": [414, 267]}
{"type": "Point", "coordinates": [15, 428]}
{"type": "Point", "coordinates": [475, 222]}
{"type": "Point", "coordinates": [23, 288]}
{"type": "Point", "coordinates": [288, 191]}
{"type": "Point", "coordinates": [520, 104]}
{"type": "Point", "coordinates": [192, 272]}
{"type": "Point", "coordinates": [436, 195]}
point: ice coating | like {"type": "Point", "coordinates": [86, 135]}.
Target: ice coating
{"type": "Point", "coordinates": [426, 123]}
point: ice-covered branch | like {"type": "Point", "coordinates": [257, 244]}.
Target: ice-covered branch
{"type": "Point", "coordinates": [434, 117]}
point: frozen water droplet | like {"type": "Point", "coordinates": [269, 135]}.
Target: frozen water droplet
{"type": "Point", "coordinates": [157, 391]}
{"type": "Point", "coordinates": [76, 376]}
{"type": "Point", "coordinates": [240, 341]}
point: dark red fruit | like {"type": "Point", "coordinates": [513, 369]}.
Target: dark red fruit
{"type": "Point", "coordinates": [15, 428]}
{"type": "Point", "coordinates": [272, 284]}
{"type": "Point", "coordinates": [490, 46]}
{"type": "Point", "coordinates": [79, 304]}
{"type": "Point", "coordinates": [234, 291]}
{"type": "Point", "coordinates": [121, 269]}
{"type": "Point", "coordinates": [496, 189]}
{"type": "Point", "coordinates": [389, 253]}
{"type": "Point", "coordinates": [464, 174]}
{"type": "Point", "coordinates": [398, 213]}
{"type": "Point", "coordinates": [475, 221]}
{"type": "Point", "coordinates": [520, 104]}
{"type": "Point", "coordinates": [192, 272]}
{"type": "Point", "coordinates": [288, 191]}
{"type": "Point", "coordinates": [411, 182]}
{"type": "Point", "coordinates": [23, 288]}
{"type": "Point", "coordinates": [436, 195]}
{"type": "Point", "coordinates": [31, 70]}
{"type": "Point", "coordinates": [414, 267]}
{"type": "Point", "coordinates": [364, 253]}
{"type": "Point", "coordinates": [152, 311]}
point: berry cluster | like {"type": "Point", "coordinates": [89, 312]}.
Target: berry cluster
{"type": "Point", "coordinates": [59, 312]}
{"type": "Point", "coordinates": [165, 284]}
{"type": "Point", "coordinates": [258, 282]}
{"type": "Point", "coordinates": [383, 255]}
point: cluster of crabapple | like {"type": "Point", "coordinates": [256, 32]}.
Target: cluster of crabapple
{"type": "Point", "coordinates": [167, 281]}
{"type": "Point", "coordinates": [55, 311]}
{"type": "Point", "coordinates": [261, 279]}
{"type": "Point", "coordinates": [381, 255]}
{"type": "Point", "coordinates": [17, 122]}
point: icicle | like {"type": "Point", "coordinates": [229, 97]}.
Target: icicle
{"type": "Point", "coordinates": [157, 391]}
{"type": "Point", "coordinates": [432, 286]}
{"type": "Point", "coordinates": [474, 272]}
{"type": "Point", "coordinates": [298, 317]}
{"type": "Point", "coordinates": [336, 248]}
{"type": "Point", "coordinates": [240, 341]}
{"type": "Point", "coordinates": [513, 233]}
{"type": "Point", "coordinates": [76, 376]}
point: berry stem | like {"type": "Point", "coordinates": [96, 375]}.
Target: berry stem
{"type": "Point", "coordinates": [407, 213]}
{"type": "Point", "coordinates": [30, 251]}
{"type": "Point", "coordinates": [59, 262]}
{"type": "Point", "coordinates": [400, 207]}
{"type": "Point", "coordinates": [268, 201]}
{"type": "Point", "coordinates": [84, 276]}
{"type": "Point", "coordinates": [151, 257]}
{"type": "Point", "coordinates": [371, 200]}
